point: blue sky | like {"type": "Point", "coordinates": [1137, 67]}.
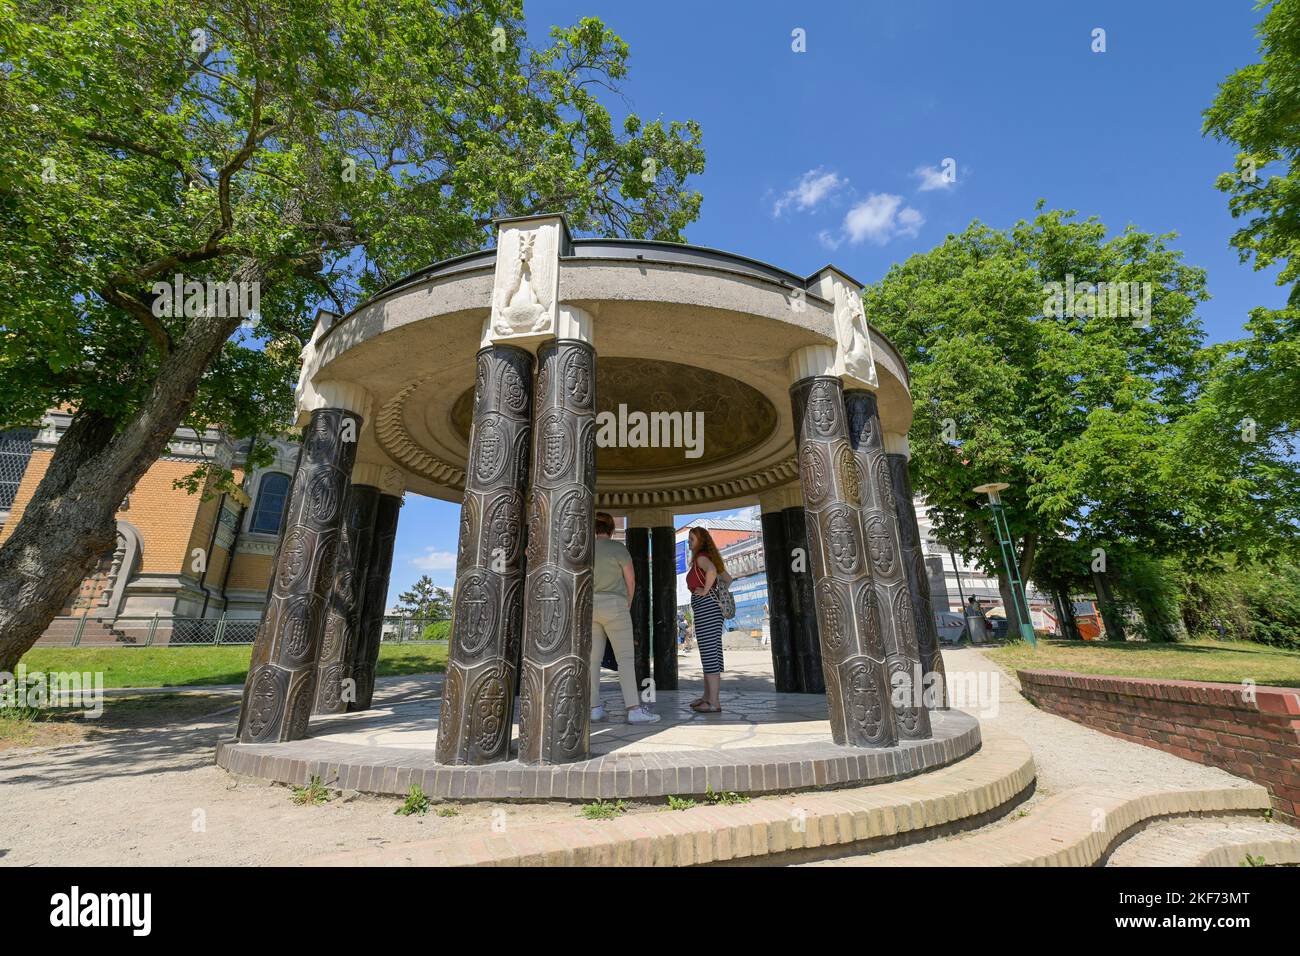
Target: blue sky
{"type": "Point", "coordinates": [822, 155]}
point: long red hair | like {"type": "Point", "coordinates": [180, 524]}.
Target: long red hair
{"type": "Point", "coordinates": [704, 545]}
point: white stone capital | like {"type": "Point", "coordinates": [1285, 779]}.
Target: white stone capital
{"type": "Point", "coordinates": [810, 361]}
{"type": "Point", "coordinates": [650, 518]}
{"type": "Point", "coordinates": [386, 478]}
{"type": "Point", "coordinates": [573, 324]}
{"type": "Point", "coordinates": [334, 393]}
{"type": "Point", "coordinates": [897, 444]}
{"type": "Point", "coordinates": [778, 499]}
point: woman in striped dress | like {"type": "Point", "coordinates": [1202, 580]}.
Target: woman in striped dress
{"type": "Point", "coordinates": [706, 566]}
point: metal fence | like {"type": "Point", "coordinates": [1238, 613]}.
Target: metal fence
{"type": "Point", "coordinates": [189, 630]}
{"type": "Point", "coordinates": [162, 631]}
{"type": "Point", "coordinates": [404, 629]}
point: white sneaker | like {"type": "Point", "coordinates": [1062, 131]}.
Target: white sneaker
{"type": "Point", "coordinates": [598, 712]}
{"type": "Point", "coordinates": [639, 715]}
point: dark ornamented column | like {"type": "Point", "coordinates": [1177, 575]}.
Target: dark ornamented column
{"type": "Point", "coordinates": [380, 566]}
{"type": "Point", "coordinates": [918, 579]}
{"type": "Point", "coordinates": [478, 694]}
{"type": "Point", "coordinates": [803, 607]}
{"type": "Point", "coordinates": [335, 685]}
{"type": "Point", "coordinates": [554, 695]}
{"type": "Point", "coordinates": [848, 623]}
{"type": "Point", "coordinates": [776, 563]}
{"type": "Point", "coordinates": [281, 685]}
{"type": "Point", "coordinates": [894, 606]}
{"type": "Point", "coordinates": [663, 591]}
{"type": "Point", "coordinates": [638, 545]}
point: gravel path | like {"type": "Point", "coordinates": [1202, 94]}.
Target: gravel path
{"type": "Point", "coordinates": [1071, 755]}
{"type": "Point", "coordinates": [140, 794]}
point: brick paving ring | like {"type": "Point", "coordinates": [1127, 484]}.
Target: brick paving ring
{"type": "Point", "coordinates": [344, 754]}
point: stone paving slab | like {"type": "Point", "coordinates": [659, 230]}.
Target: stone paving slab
{"type": "Point", "coordinates": [1209, 841]}
{"type": "Point", "coordinates": [1075, 828]}
{"type": "Point", "coordinates": [620, 774]}
{"type": "Point", "coordinates": [762, 742]}
{"type": "Point", "coordinates": [758, 832]}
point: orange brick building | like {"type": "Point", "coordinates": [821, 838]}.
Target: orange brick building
{"type": "Point", "coordinates": [180, 558]}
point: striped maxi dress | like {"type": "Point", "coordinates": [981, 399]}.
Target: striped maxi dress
{"type": "Point", "coordinates": [708, 621]}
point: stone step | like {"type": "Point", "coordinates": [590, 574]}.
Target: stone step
{"type": "Point", "coordinates": [1073, 828]}
{"type": "Point", "coordinates": [767, 830]}
{"type": "Point", "coordinates": [63, 630]}
{"type": "Point", "coordinates": [1209, 841]}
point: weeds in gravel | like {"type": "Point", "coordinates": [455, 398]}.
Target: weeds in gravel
{"type": "Point", "coordinates": [314, 794]}
{"type": "Point", "coordinates": [604, 810]}
{"type": "Point", "coordinates": [726, 798]}
{"type": "Point", "coordinates": [680, 803]}
{"type": "Point", "coordinates": [416, 803]}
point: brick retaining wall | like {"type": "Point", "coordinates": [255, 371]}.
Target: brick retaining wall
{"type": "Point", "coordinates": [1210, 723]}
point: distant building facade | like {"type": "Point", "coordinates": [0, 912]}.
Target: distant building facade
{"type": "Point", "coordinates": [178, 557]}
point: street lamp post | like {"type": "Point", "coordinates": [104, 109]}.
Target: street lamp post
{"type": "Point", "coordinates": [1009, 563]}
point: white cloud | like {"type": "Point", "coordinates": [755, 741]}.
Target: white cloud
{"type": "Point", "coordinates": [881, 217]}
{"type": "Point", "coordinates": [932, 177]}
{"type": "Point", "coordinates": [828, 240]}
{"type": "Point", "coordinates": [434, 560]}
{"type": "Point", "coordinates": [813, 186]}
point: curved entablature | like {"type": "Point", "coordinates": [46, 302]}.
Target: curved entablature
{"type": "Point", "coordinates": [676, 329]}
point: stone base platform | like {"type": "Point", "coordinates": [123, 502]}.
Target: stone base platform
{"type": "Point", "coordinates": [762, 742]}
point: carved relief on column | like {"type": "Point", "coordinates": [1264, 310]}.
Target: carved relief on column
{"type": "Point", "coordinates": [852, 647]}
{"type": "Point", "coordinates": [281, 685]}
{"type": "Point", "coordinates": [479, 691]}
{"type": "Point", "coordinates": [554, 704]}
{"type": "Point", "coordinates": [335, 685]}
{"type": "Point", "coordinates": [663, 610]}
{"type": "Point", "coordinates": [809, 678]}
{"type": "Point", "coordinates": [378, 569]}
{"type": "Point", "coordinates": [638, 546]}
{"type": "Point", "coordinates": [779, 609]}
{"type": "Point", "coordinates": [918, 581]}
{"type": "Point", "coordinates": [895, 605]}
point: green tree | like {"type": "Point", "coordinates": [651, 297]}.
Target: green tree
{"type": "Point", "coordinates": [316, 149]}
{"type": "Point", "coordinates": [425, 600]}
{"type": "Point", "coordinates": [1013, 382]}
{"type": "Point", "coordinates": [1241, 444]}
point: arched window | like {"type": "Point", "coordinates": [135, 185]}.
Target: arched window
{"type": "Point", "coordinates": [269, 508]}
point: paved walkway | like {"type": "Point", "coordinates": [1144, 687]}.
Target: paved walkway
{"type": "Point", "coordinates": [1216, 841]}
{"type": "Point", "coordinates": [1070, 755]}
{"type": "Point", "coordinates": [752, 715]}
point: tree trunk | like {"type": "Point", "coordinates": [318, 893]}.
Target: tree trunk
{"type": "Point", "coordinates": [70, 520]}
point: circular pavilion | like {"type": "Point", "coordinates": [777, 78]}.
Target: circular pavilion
{"type": "Point", "coordinates": [551, 377]}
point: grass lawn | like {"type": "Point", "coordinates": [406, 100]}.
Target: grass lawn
{"type": "Point", "coordinates": [204, 666]}
{"type": "Point", "coordinates": [1228, 662]}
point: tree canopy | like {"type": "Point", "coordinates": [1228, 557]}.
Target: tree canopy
{"type": "Point", "coordinates": [1016, 380]}
{"type": "Point", "coordinates": [320, 147]}
{"type": "Point", "coordinates": [311, 151]}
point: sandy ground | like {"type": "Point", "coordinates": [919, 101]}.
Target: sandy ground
{"type": "Point", "coordinates": [137, 789]}
{"type": "Point", "coordinates": [131, 794]}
